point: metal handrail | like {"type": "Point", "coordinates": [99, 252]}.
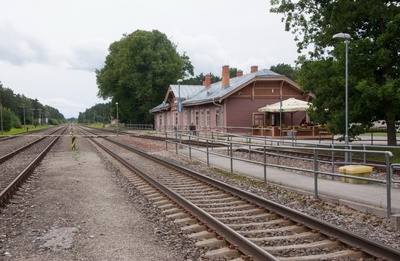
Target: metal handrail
{"type": "Point", "coordinates": [315, 149]}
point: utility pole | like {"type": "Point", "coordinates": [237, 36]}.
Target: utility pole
{"type": "Point", "coordinates": [40, 119]}
{"type": "Point", "coordinates": [23, 108]}
{"type": "Point", "coordinates": [33, 119]}
{"type": "Point", "coordinates": [1, 109]}
{"type": "Point", "coordinates": [1, 118]}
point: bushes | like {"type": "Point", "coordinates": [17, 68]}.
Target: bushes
{"type": "Point", "coordinates": [10, 120]}
{"type": "Point", "coordinates": [53, 121]}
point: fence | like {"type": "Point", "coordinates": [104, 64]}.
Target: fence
{"type": "Point", "coordinates": [139, 126]}
{"type": "Point", "coordinates": [253, 144]}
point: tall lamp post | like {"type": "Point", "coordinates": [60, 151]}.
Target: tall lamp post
{"type": "Point", "coordinates": [117, 118]}
{"type": "Point", "coordinates": [179, 103]}
{"type": "Point", "coordinates": [346, 38]}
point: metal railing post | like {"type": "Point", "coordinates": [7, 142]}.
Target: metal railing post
{"type": "Point", "coordinates": [364, 154]}
{"type": "Point", "coordinates": [231, 156]}
{"type": "Point", "coordinates": [250, 151]}
{"type": "Point", "coordinates": [388, 186]}
{"type": "Point", "coordinates": [265, 166]}
{"type": "Point", "coordinates": [208, 155]}
{"type": "Point", "coordinates": [350, 153]}
{"type": "Point", "coordinates": [166, 141]}
{"type": "Point", "coordinates": [190, 148]}
{"type": "Point", "coordinates": [315, 173]}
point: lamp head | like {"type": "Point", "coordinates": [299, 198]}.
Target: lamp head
{"type": "Point", "coordinates": [342, 36]}
{"type": "Point", "coordinates": [179, 81]}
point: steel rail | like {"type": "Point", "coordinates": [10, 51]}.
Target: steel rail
{"type": "Point", "coordinates": [15, 152]}
{"type": "Point", "coordinates": [371, 247]}
{"type": "Point", "coordinates": [243, 244]}
{"type": "Point", "coordinates": [15, 184]}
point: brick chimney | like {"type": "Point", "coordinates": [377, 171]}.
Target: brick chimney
{"type": "Point", "coordinates": [254, 68]}
{"type": "Point", "coordinates": [207, 81]}
{"type": "Point", "coordinates": [239, 73]}
{"type": "Point", "coordinates": [225, 76]}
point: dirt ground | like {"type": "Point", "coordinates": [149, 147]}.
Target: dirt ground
{"type": "Point", "coordinates": [72, 208]}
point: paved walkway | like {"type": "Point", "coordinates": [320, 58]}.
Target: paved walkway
{"type": "Point", "coordinates": [371, 198]}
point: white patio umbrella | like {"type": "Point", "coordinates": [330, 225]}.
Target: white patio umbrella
{"type": "Point", "coordinates": [291, 105]}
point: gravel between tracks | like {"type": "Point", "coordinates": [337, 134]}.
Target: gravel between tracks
{"type": "Point", "coordinates": [73, 208]}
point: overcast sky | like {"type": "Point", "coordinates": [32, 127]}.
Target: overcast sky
{"type": "Point", "coordinates": [50, 49]}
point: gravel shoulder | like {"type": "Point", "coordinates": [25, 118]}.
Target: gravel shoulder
{"type": "Point", "coordinates": [73, 208]}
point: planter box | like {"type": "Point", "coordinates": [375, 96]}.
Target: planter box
{"type": "Point", "coordinates": [257, 132]}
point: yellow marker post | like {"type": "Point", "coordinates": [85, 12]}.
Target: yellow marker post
{"type": "Point", "coordinates": [73, 142]}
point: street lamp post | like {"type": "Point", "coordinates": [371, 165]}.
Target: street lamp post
{"type": "Point", "coordinates": [179, 103]}
{"type": "Point", "coordinates": [117, 118]}
{"type": "Point", "coordinates": [346, 38]}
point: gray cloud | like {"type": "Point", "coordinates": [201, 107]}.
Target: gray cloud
{"type": "Point", "coordinates": [19, 49]}
{"type": "Point", "coordinates": [87, 57]}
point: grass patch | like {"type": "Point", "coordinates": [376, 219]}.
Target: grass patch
{"type": "Point", "coordinates": [384, 134]}
{"type": "Point", "coordinates": [15, 131]}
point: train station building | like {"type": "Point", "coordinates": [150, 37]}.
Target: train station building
{"type": "Point", "coordinates": [230, 105]}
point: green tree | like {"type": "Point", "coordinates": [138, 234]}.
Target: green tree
{"type": "Point", "coordinates": [374, 63]}
{"type": "Point", "coordinates": [8, 117]}
{"type": "Point", "coordinates": [198, 79]}
{"type": "Point", "coordinates": [53, 115]}
{"type": "Point", "coordinates": [10, 120]}
{"type": "Point", "coordinates": [137, 73]}
{"type": "Point", "coordinates": [284, 69]}
{"type": "Point", "coordinates": [97, 113]}
{"type": "Point", "coordinates": [232, 72]}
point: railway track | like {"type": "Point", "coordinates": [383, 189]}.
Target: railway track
{"type": "Point", "coordinates": [16, 165]}
{"type": "Point", "coordinates": [379, 166]}
{"type": "Point", "coordinates": [193, 141]}
{"type": "Point", "coordinates": [233, 224]}
{"type": "Point", "coordinates": [271, 151]}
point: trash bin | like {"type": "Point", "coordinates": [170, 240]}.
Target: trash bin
{"type": "Point", "coordinates": [356, 170]}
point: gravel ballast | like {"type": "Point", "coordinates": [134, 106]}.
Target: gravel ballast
{"type": "Point", "coordinates": [72, 208]}
{"type": "Point", "coordinates": [78, 206]}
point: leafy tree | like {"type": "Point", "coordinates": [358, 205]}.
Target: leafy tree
{"type": "Point", "coordinates": [232, 72]}
{"type": "Point", "coordinates": [138, 71]}
{"type": "Point", "coordinates": [374, 63]}
{"type": "Point", "coordinates": [17, 103]}
{"type": "Point", "coordinates": [284, 69]}
{"type": "Point", "coordinates": [198, 79]}
{"type": "Point", "coordinates": [8, 117]}
{"type": "Point", "coordinates": [188, 68]}
{"type": "Point", "coordinates": [53, 115]}
{"type": "Point", "coordinates": [10, 120]}
{"type": "Point", "coordinates": [97, 113]}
